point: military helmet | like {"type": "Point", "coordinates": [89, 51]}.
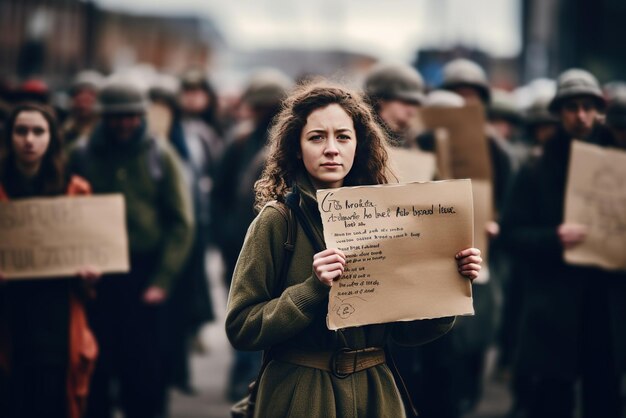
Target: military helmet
{"type": "Point", "coordinates": [395, 82]}
{"type": "Point", "coordinates": [574, 83]}
{"type": "Point", "coordinates": [463, 72]}
{"type": "Point", "coordinates": [443, 99]}
{"type": "Point", "coordinates": [503, 106]}
{"type": "Point", "coordinates": [266, 87]}
{"type": "Point", "coordinates": [86, 79]}
{"type": "Point", "coordinates": [538, 113]}
{"type": "Point", "coordinates": [121, 97]}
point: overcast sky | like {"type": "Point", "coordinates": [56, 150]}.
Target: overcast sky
{"type": "Point", "coordinates": [391, 29]}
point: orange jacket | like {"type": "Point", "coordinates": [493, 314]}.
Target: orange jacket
{"type": "Point", "coordinates": [83, 349]}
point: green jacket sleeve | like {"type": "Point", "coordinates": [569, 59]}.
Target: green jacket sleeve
{"type": "Point", "coordinates": [257, 320]}
{"type": "Point", "coordinates": [177, 216]}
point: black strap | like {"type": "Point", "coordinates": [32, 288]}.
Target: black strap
{"type": "Point", "coordinates": [293, 202]}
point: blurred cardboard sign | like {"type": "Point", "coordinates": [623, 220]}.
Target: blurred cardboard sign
{"type": "Point", "coordinates": [596, 197]}
{"type": "Point", "coordinates": [469, 152]}
{"type": "Point", "coordinates": [409, 165]}
{"type": "Point", "coordinates": [400, 241]}
{"type": "Point", "coordinates": [483, 213]}
{"type": "Point", "coordinates": [55, 237]}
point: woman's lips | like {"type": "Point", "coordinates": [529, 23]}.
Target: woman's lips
{"type": "Point", "coordinates": [331, 165]}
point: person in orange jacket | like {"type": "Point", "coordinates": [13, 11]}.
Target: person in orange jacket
{"type": "Point", "coordinates": [47, 350]}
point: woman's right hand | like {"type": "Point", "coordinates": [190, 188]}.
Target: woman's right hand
{"type": "Point", "coordinates": [571, 234]}
{"type": "Point", "coordinates": [329, 265]}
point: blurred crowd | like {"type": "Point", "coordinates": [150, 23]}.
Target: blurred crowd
{"type": "Point", "coordinates": [186, 159]}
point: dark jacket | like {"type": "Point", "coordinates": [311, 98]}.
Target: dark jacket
{"type": "Point", "coordinates": [557, 297]}
{"type": "Point", "coordinates": [80, 347]}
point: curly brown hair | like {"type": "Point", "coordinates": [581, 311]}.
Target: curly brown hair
{"type": "Point", "coordinates": [52, 171]}
{"type": "Point", "coordinates": [283, 164]}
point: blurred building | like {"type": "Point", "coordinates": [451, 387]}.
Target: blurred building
{"type": "Point", "coordinates": [56, 38]}
{"type": "Point", "coordinates": [559, 34]}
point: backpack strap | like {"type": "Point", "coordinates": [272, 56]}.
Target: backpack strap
{"type": "Point", "coordinates": [289, 245]}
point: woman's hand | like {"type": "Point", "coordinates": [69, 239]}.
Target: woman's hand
{"type": "Point", "coordinates": [154, 295]}
{"type": "Point", "coordinates": [329, 265]}
{"type": "Point", "coordinates": [469, 261]}
{"type": "Point", "coordinates": [89, 274]}
{"type": "Point", "coordinates": [571, 234]}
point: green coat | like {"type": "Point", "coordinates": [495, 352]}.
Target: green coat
{"type": "Point", "coordinates": [297, 319]}
{"type": "Point", "coordinates": [159, 208]}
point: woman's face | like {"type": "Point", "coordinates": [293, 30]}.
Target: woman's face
{"type": "Point", "coordinates": [30, 138]}
{"type": "Point", "coordinates": [328, 145]}
{"type": "Point", "coordinates": [194, 100]}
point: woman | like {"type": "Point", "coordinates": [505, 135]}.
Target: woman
{"type": "Point", "coordinates": [324, 137]}
{"type": "Point", "coordinates": [47, 350]}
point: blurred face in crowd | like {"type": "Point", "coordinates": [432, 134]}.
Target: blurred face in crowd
{"type": "Point", "coordinates": [122, 127]}
{"type": "Point", "coordinates": [84, 101]}
{"type": "Point", "coordinates": [194, 100]}
{"type": "Point", "coordinates": [30, 139]}
{"type": "Point", "coordinates": [328, 145]}
{"type": "Point", "coordinates": [542, 132]}
{"type": "Point", "coordinates": [470, 94]}
{"type": "Point", "coordinates": [503, 127]}
{"type": "Point", "coordinates": [398, 114]}
{"type": "Point", "coordinates": [578, 116]}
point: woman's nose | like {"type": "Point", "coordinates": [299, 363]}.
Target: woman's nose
{"type": "Point", "coordinates": [331, 147]}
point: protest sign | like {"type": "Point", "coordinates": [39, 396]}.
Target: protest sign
{"type": "Point", "coordinates": [468, 143]}
{"type": "Point", "coordinates": [55, 237]}
{"type": "Point", "coordinates": [400, 241]}
{"type": "Point", "coordinates": [596, 197]}
{"type": "Point", "coordinates": [409, 165]}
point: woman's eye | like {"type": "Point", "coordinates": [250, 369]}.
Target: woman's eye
{"type": "Point", "coordinates": [344, 137]}
{"type": "Point", "coordinates": [38, 131]}
{"type": "Point", "coordinates": [20, 130]}
{"type": "Point", "coordinates": [316, 138]}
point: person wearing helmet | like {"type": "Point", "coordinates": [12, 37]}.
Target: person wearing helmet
{"type": "Point", "coordinates": [396, 91]}
{"type": "Point", "coordinates": [467, 79]}
{"type": "Point", "coordinates": [82, 116]}
{"type": "Point", "coordinates": [233, 195]}
{"type": "Point", "coordinates": [572, 316]}
{"type": "Point", "coordinates": [121, 157]}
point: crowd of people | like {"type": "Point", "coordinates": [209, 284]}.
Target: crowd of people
{"type": "Point", "coordinates": [196, 172]}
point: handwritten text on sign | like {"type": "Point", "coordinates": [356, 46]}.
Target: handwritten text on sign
{"type": "Point", "coordinates": [400, 242]}
{"type": "Point", "coordinates": [54, 237]}
{"type": "Point", "coordinates": [596, 197]}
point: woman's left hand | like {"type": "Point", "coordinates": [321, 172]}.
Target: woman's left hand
{"type": "Point", "coordinates": [89, 273]}
{"type": "Point", "coordinates": [469, 261]}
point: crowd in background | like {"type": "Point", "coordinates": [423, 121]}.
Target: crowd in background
{"type": "Point", "coordinates": [186, 161]}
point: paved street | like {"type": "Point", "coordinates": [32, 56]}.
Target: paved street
{"type": "Point", "coordinates": [210, 369]}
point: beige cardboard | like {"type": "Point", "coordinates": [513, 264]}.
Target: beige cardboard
{"type": "Point", "coordinates": [443, 154]}
{"type": "Point", "coordinates": [596, 197]}
{"type": "Point", "coordinates": [483, 213]}
{"type": "Point", "coordinates": [52, 237]}
{"type": "Point", "coordinates": [468, 143]}
{"type": "Point", "coordinates": [400, 241]}
{"type": "Point", "coordinates": [408, 165]}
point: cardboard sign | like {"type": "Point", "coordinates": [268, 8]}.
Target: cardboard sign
{"type": "Point", "coordinates": [409, 165]}
{"type": "Point", "coordinates": [468, 142]}
{"type": "Point", "coordinates": [596, 197]}
{"type": "Point", "coordinates": [55, 237]}
{"type": "Point", "coordinates": [483, 213]}
{"type": "Point", "coordinates": [400, 241]}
